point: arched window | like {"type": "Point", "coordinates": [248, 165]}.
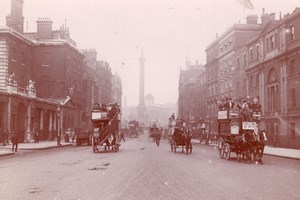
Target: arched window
{"type": "Point", "coordinates": [273, 90]}
{"type": "Point", "coordinates": [272, 76]}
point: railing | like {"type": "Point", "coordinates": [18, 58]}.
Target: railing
{"type": "Point", "coordinates": [14, 89]}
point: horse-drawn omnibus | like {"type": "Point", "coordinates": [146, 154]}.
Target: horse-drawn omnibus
{"type": "Point", "coordinates": [239, 131]}
{"type": "Point", "coordinates": [105, 127]}
{"type": "Point", "coordinates": [133, 129]}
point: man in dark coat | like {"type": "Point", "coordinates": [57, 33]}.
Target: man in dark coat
{"type": "Point", "coordinates": [14, 141]}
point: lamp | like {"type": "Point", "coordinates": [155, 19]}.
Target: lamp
{"type": "Point", "coordinates": [58, 126]}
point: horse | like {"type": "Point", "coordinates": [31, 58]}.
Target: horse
{"type": "Point", "coordinates": [182, 138]}
{"type": "Point", "coordinates": [244, 144]}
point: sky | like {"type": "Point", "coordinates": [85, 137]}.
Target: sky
{"type": "Point", "coordinates": [167, 31]}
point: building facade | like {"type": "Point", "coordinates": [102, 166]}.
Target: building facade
{"type": "Point", "coordinates": [46, 83]}
{"type": "Point", "coordinates": [226, 76]}
{"type": "Point", "coordinates": [274, 77]}
{"type": "Point", "coordinates": [190, 89]}
{"type": "Point", "coordinates": [256, 60]}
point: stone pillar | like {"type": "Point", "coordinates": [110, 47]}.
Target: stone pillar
{"type": "Point", "coordinates": [141, 107]}
{"type": "Point", "coordinates": [9, 105]}
{"type": "Point", "coordinates": [50, 125]}
{"type": "Point", "coordinates": [61, 121]}
{"type": "Point", "coordinates": [41, 134]}
{"type": "Point", "coordinates": [28, 128]}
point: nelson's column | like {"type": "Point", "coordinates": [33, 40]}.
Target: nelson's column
{"type": "Point", "coordinates": [141, 107]}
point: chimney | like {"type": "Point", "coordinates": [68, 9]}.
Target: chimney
{"type": "Point", "coordinates": [252, 19]}
{"type": "Point", "coordinates": [15, 19]}
{"type": "Point", "coordinates": [44, 28]}
{"type": "Point", "coordinates": [280, 17]}
{"type": "Point", "coordinates": [265, 18]}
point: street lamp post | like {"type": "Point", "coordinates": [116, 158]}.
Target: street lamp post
{"type": "Point", "coordinates": [58, 126]}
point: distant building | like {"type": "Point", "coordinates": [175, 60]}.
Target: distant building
{"type": "Point", "coordinates": [190, 91]}
{"type": "Point", "coordinates": [154, 112]}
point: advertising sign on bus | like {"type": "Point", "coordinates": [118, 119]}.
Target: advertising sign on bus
{"type": "Point", "coordinates": [222, 114]}
{"type": "Point", "coordinates": [249, 125]}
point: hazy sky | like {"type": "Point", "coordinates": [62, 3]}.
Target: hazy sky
{"type": "Point", "coordinates": [168, 31]}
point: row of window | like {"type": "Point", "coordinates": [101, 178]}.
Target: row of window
{"type": "Point", "coordinates": [225, 85]}
{"type": "Point", "coordinates": [271, 43]}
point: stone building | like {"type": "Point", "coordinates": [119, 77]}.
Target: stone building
{"type": "Point", "coordinates": [257, 60]}
{"type": "Point", "coordinates": [190, 92]}
{"type": "Point", "coordinates": [225, 66]}
{"type": "Point", "coordinates": [274, 76]}
{"type": "Point", "coordinates": [46, 84]}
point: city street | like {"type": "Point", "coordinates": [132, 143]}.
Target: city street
{"type": "Point", "coordinates": [142, 170]}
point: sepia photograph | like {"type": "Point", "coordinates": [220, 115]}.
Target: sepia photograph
{"type": "Point", "coordinates": [149, 99]}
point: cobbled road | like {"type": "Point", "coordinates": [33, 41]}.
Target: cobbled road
{"type": "Point", "coordinates": [142, 170]}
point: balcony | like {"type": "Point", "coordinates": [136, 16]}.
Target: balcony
{"type": "Point", "coordinates": [272, 54]}
{"type": "Point", "coordinates": [13, 88]}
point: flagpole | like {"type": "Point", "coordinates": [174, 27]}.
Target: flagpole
{"type": "Point", "coordinates": [244, 13]}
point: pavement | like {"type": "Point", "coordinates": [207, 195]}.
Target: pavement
{"type": "Point", "coordinates": [274, 151]}
{"type": "Point", "coordinates": [6, 150]}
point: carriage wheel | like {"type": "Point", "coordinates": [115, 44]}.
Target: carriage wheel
{"type": "Point", "coordinates": [226, 148]}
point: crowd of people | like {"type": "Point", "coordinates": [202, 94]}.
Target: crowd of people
{"type": "Point", "coordinates": [246, 106]}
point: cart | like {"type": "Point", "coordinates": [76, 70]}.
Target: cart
{"type": "Point", "coordinates": [181, 138]}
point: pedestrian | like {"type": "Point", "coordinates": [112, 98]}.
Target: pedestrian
{"type": "Point", "coordinates": [14, 141]}
{"type": "Point", "coordinates": [5, 138]}
{"type": "Point", "coordinates": [36, 136]}
{"type": "Point", "coordinates": [122, 136]}
{"type": "Point", "coordinates": [73, 135]}
{"type": "Point", "coordinates": [274, 141]}
{"type": "Point", "coordinates": [2, 137]}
